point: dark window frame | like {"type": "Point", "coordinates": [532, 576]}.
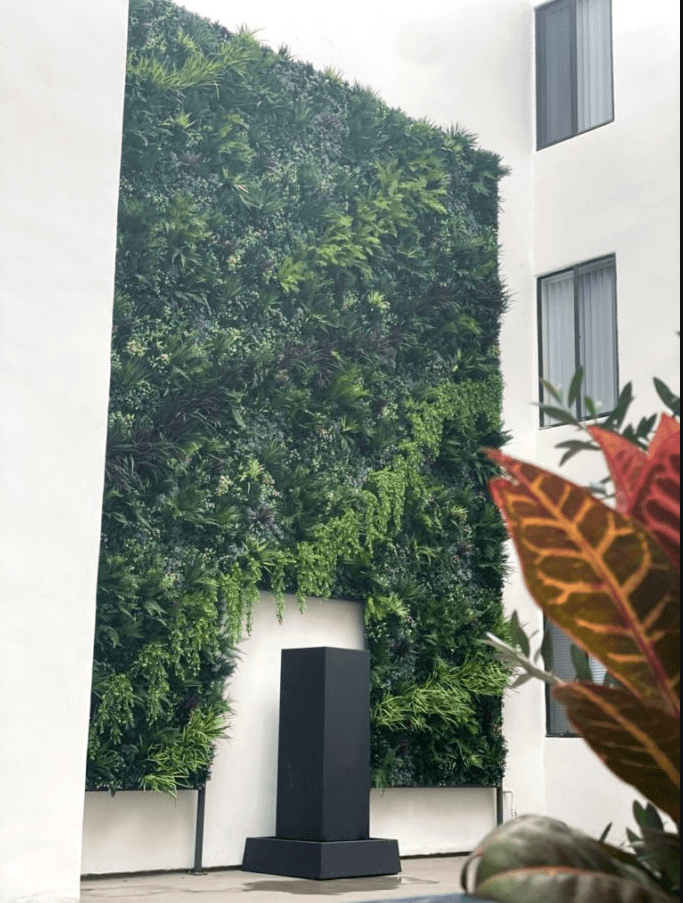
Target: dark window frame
{"type": "Point", "coordinates": [575, 269]}
{"type": "Point", "coordinates": [540, 59]}
{"type": "Point", "coordinates": [555, 735]}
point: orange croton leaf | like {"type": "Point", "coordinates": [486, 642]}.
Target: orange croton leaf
{"type": "Point", "coordinates": [599, 575]}
{"type": "Point", "coordinates": [648, 485]}
{"type": "Point", "coordinates": [639, 743]}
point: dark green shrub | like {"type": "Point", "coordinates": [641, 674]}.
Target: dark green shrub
{"type": "Point", "coordinates": [304, 365]}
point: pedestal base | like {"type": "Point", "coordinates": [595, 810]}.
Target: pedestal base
{"type": "Point", "coordinates": [321, 860]}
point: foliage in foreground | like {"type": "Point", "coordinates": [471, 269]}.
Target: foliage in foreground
{"type": "Point", "coordinates": [304, 365]}
{"type": "Point", "coordinates": [610, 578]}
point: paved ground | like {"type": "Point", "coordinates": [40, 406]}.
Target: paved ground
{"type": "Point", "coordinates": [419, 878]}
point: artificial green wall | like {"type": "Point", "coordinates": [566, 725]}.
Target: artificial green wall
{"type": "Point", "coordinates": [304, 366]}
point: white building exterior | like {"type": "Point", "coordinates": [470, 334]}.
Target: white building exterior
{"type": "Point", "coordinates": [61, 104]}
{"type": "Point", "coordinates": [609, 191]}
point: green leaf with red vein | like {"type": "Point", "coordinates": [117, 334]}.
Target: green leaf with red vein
{"type": "Point", "coordinates": [640, 744]}
{"type": "Point", "coordinates": [599, 575]}
{"type": "Point", "coordinates": [534, 854]}
{"type": "Point", "coordinates": [565, 885]}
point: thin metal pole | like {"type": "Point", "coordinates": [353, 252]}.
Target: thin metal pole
{"type": "Point", "coordinates": [499, 804]}
{"type": "Point", "coordinates": [199, 834]}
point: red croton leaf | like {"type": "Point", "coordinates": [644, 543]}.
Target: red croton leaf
{"type": "Point", "coordinates": [598, 574]}
{"type": "Point", "coordinates": [624, 460]}
{"type": "Point", "coordinates": [648, 486]}
{"type": "Point", "coordinates": [640, 744]}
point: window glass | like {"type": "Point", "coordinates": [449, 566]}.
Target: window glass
{"type": "Point", "coordinates": [578, 327]}
{"type": "Point", "coordinates": [555, 76]}
{"type": "Point", "coordinates": [596, 310]}
{"type": "Point", "coordinates": [573, 68]}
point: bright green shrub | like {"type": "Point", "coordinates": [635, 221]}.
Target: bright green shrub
{"type": "Point", "coordinates": [304, 365]}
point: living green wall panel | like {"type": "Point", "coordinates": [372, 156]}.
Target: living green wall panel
{"type": "Point", "coordinates": [304, 367]}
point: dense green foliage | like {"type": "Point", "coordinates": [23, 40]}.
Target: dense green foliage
{"type": "Point", "coordinates": [304, 366]}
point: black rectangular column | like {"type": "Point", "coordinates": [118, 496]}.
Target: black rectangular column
{"type": "Point", "coordinates": [323, 787]}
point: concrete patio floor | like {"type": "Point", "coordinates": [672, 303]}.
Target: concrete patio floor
{"type": "Point", "coordinates": [420, 878]}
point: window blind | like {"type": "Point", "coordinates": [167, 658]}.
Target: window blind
{"type": "Point", "coordinates": [558, 331]}
{"type": "Point", "coordinates": [593, 63]}
{"type": "Point", "coordinates": [597, 325]}
{"type": "Point", "coordinates": [563, 667]}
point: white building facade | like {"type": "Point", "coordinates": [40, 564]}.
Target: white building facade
{"type": "Point", "coordinates": [602, 199]}
{"type": "Point", "coordinates": [62, 70]}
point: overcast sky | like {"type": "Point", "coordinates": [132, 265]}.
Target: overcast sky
{"type": "Point", "coordinates": [321, 33]}
{"type": "Point", "coordinates": [274, 22]}
{"type": "Point", "coordinates": [401, 50]}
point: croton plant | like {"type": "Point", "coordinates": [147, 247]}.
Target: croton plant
{"type": "Point", "coordinates": [608, 575]}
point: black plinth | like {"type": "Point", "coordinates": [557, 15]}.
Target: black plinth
{"type": "Point", "coordinates": [321, 860]}
{"type": "Point", "coordinates": [323, 788]}
{"type": "Point", "coordinates": [323, 785]}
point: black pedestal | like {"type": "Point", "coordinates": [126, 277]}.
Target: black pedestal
{"type": "Point", "coordinates": [321, 859]}
{"type": "Point", "coordinates": [323, 787]}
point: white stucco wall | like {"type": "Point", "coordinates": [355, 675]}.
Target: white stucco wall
{"type": "Point", "coordinates": [616, 190]}
{"type": "Point", "coordinates": [584, 793]}
{"type": "Point", "coordinates": [61, 101]}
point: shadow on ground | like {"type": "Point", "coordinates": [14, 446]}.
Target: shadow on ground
{"type": "Point", "coordinates": [335, 888]}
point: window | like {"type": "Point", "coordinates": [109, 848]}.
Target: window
{"type": "Point", "coordinates": [573, 68]}
{"type": "Point", "coordinates": [578, 327]}
{"type": "Point", "coordinates": [558, 724]}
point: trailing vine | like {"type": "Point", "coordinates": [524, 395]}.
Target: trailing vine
{"type": "Point", "coordinates": [304, 366]}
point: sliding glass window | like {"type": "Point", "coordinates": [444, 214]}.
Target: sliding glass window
{"type": "Point", "coordinates": [573, 68]}
{"type": "Point", "coordinates": [577, 326]}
